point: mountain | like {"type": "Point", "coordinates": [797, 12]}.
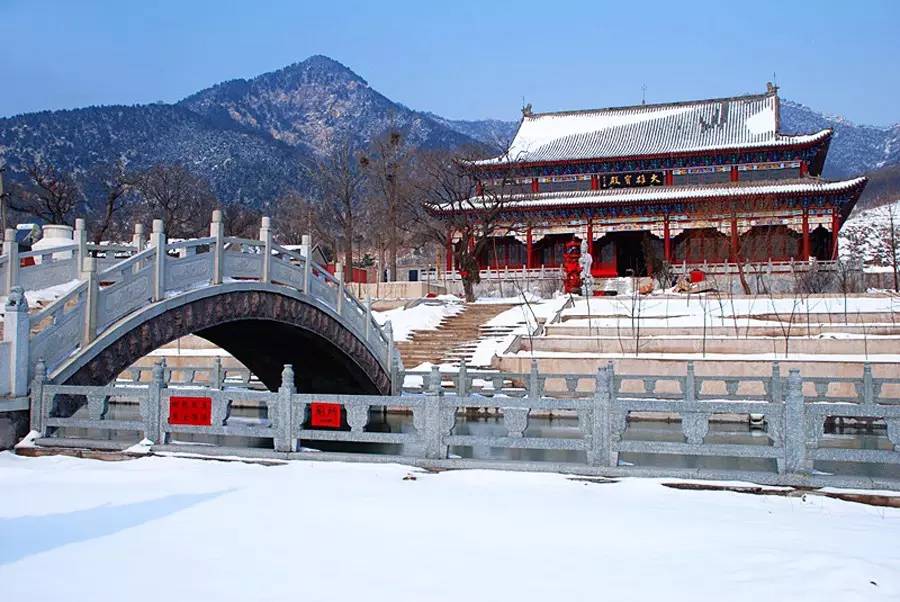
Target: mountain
{"type": "Point", "coordinates": [252, 137]}
{"type": "Point", "coordinates": [239, 164]}
{"type": "Point", "coordinates": [249, 138]}
{"type": "Point", "coordinates": [855, 149]}
{"type": "Point", "coordinates": [495, 133]}
{"type": "Point", "coordinates": [310, 105]}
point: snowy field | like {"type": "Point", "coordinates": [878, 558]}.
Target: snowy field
{"type": "Point", "coordinates": [180, 529]}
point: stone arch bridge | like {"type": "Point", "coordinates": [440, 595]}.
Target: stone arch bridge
{"type": "Point", "coordinates": [265, 304]}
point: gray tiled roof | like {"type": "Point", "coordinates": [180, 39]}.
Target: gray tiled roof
{"type": "Point", "coordinates": [743, 121]}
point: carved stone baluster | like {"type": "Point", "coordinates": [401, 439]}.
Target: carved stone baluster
{"type": "Point", "coordinates": [515, 420]}
{"type": "Point", "coordinates": [893, 432]}
{"type": "Point", "coordinates": [731, 386]}
{"type": "Point", "coordinates": [695, 425]}
{"type": "Point", "coordinates": [98, 405]}
{"type": "Point", "coordinates": [357, 415]}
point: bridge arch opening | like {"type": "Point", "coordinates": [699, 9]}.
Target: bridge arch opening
{"type": "Point", "coordinates": [262, 329]}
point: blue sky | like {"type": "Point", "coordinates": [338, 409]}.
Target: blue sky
{"type": "Point", "coordinates": [460, 59]}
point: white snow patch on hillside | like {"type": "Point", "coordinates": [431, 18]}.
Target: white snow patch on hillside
{"type": "Point", "coordinates": [866, 235]}
{"type": "Point", "coordinates": [81, 530]}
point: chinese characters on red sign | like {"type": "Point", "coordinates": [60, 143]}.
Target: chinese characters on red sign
{"type": "Point", "coordinates": [327, 415]}
{"type": "Point", "coordinates": [191, 411]}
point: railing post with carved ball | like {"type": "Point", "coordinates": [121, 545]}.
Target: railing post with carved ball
{"type": "Point", "coordinates": [306, 250]}
{"type": "Point", "coordinates": [139, 244]}
{"type": "Point", "coordinates": [79, 237]}
{"type": "Point", "coordinates": [368, 326]}
{"type": "Point", "coordinates": [868, 385]}
{"type": "Point", "coordinates": [92, 292]}
{"type": "Point", "coordinates": [462, 380]}
{"type": "Point", "coordinates": [265, 235]}
{"type": "Point", "coordinates": [795, 456]}
{"type": "Point", "coordinates": [37, 397]}
{"type": "Point", "coordinates": [388, 331]}
{"type": "Point", "coordinates": [434, 444]}
{"type": "Point", "coordinates": [283, 426]}
{"type": "Point", "coordinates": [217, 231]}
{"type": "Point", "coordinates": [599, 452]}
{"type": "Point", "coordinates": [339, 276]}
{"type": "Point", "coordinates": [217, 379]}
{"type": "Point", "coordinates": [775, 393]}
{"type": "Point", "coordinates": [137, 239]}
{"type": "Point", "coordinates": [690, 384]}
{"type": "Point", "coordinates": [11, 250]}
{"type": "Point", "coordinates": [158, 242]}
{"type": "Point", "coordinates": [16, 333]}
{"type": "Point", "coordinates": [152, 412]}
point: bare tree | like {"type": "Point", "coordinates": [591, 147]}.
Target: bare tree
{"type": "Point", "coordinates": [295, 215]}
{"type": "Point", "coordinates": [116, 184]}
{"type": "Point", "coordinates": [241, 220]}
{"type": "Point", "coordinates": [338, 179]}
{"type": "Point", "coordinates": [49, 194]}
{"type": "Point", "coordinates": [182, 200]}
{"type": "Point", "coordinates": [455, 201]}
{"type": "Point", "coordinates": [4, 218]}
{"type": "Point", "coordinates": [892, 242]}
{"type": "Point", "coordinates": [387, 166]}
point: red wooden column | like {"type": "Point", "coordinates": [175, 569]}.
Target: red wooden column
{"type": "Point", "coordinates": [449, 258]}
{"type": "Point", "coordinates": [835, 225]}
{"type": "Point", "coordinates": [595, 183]}
{"type": "Point", "coordinates": [529, 249]}
{"type": "Point", "coordinates": [734, 241]}
{"type": "Point", "coordinates": [804, 253]}
{"type": "Point", "coordinates": [667, 240]}
{"type": "Point", "coordinates": [734, 173]}
{"type": "Point", "coordinates": [535, 186]}
{"type": "Point", "coordinates": [668, 179]}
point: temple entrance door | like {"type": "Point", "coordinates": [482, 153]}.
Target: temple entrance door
{"type": "Point", "coordinates": [630, 260]}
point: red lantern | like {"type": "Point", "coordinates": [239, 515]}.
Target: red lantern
{"type": "Point", "coordinates": [571, 267]}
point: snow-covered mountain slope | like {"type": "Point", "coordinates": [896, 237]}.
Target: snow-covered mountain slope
{"type": "Point", "coordinates": [855, 149]}
{"type": "Point", "coordinates": [866, 235]}
{"type": "Point", "coordinates": [313, 103]}
{"type": "Point", "coordinates": [249, 138]}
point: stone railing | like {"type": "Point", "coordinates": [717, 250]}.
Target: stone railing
{"type": "Point", "coordinates": [215, 376]}
{"type": "Point", "coordinates": [117, 280]}
{"type": "Point", "coordinates": [793, 409]}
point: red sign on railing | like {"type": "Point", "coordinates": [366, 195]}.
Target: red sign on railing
{"type": "Point", "coordinates": [326, 415]}
{"type": "Point", "coordinates": [191, 411]}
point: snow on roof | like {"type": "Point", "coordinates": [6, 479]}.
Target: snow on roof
{"type": "Point", "coordinates": [674, 193]}
{"type": "Point", "coordinates": [742, 121]}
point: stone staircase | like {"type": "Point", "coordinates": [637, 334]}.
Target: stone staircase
{"type": "Point", "coordinates": [454, 339]}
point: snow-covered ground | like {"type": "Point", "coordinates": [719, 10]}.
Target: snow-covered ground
{"type": "Point", "coordinates": [43, 297]}
{"type": "Point", "coordinates": [424, 316]}
{"type": "Point", "coordinates": [722, 310]}
{"type": "Point", "coordinates": [181, 529]}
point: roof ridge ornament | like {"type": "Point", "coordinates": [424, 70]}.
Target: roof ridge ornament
{"type": "Point", "coordinates": [526, 110]}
